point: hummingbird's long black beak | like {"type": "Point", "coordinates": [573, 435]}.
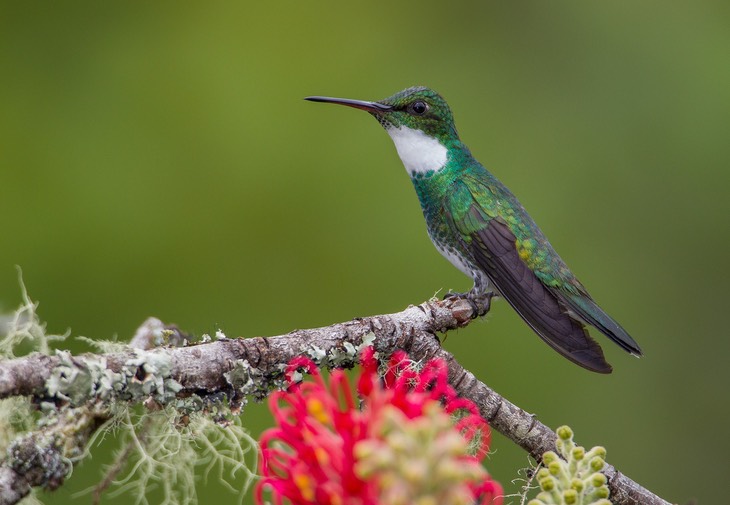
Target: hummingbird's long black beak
{"type": "Point", "coordinates": [358, 104]}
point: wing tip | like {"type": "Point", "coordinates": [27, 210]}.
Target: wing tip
{"type": "Point", "coordinates": [590, 360]}
{"type": "Point", "coordinates": [604, 371]}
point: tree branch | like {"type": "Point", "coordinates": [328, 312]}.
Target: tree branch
{"type": "Point", "coordinates": [253, 367]}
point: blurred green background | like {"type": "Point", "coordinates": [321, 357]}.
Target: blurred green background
{"type": "Point", "coordinates": [158, 159]}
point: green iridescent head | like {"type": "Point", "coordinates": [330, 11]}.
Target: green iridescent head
{"type": "Point", "coordinates": [417, 108]}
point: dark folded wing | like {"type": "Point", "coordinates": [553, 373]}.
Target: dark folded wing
{"type": "Point", "coordinates": [493, 248]}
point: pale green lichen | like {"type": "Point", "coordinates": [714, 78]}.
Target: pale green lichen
{"type": "Point", "coordinates": [169, 441]}
{"type": "Point", "coordinates": [169, 452]}
{"type": "Point", "coordinates": [342, 358]}
{"type": "Point", "coordinates": [148, 375]}
{"type": "Point", "coordinates": [23, 326]}
{"type": "Point", "coordinates": [105, 346]}
{"type": "Point", "coordinates": [79, 379]}
{"type": "Point", "coordinates": [45, 456]}
{"type": "Point", "coordinates": [317, 354]}
{"type": "Point", "coordinates": [15, 418]}
{"type": "Point", "coordinates": [22, 332]}
{"type": "Point", "coordinates": [39, 457]}
{"type": "Point", "coordinates": [72, 427]}
{"type": "Point", "coordinates": [367, 340]}
{"type": "Point", "coordinates": [573, 477]}
{"type": "Point", "coordinates": [247, 380]}
{"type": "Point", "coordinates": [345, 357]}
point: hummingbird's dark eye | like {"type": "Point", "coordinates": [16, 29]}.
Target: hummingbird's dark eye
{"type": "Point", "coordinates": [419, 108]}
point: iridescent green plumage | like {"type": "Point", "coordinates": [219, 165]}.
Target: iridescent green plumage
{"type": "Point", "coordinates": [479, 225]}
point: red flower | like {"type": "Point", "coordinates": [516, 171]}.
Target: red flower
{"type": "Point", "coordinates": [402, 445]}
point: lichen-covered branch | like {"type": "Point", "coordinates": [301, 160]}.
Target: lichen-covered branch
{"type": "Point", "coordinates": [190, 376]}
{"type": "Point", "coordinates": [43, 457]}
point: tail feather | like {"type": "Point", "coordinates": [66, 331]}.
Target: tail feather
{"type": "Point", "coordinates": [589, 311]}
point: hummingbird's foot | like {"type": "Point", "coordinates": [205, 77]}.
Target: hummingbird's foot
{"type": "Point", "coordinates": [473, 299]}
{"type": "Point", "coordinates": [488, 297]}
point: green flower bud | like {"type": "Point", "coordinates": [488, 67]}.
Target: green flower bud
{"type": "Point", "coordinates": [601, 492]}
{"type": "Point", "coordinates": [597, 464]}
{"type": "Point", "coordinates": [564, 432]}
{"type": "Point", "coordinates": [577, 484]}
{"type": "Point", "coordinates": [570, 496]}
{"type": "Point", "coordinates": [545, 498]}
{"type": "Point", "coordinates": [549, 457]}
{"type": "Point", "coordinates": [554, 467]}
{"type": "Point", "coordinates": [598, 479]}
{"type": "Point", "coordinates": [578, 453]}
{"type": "Point", "coordinates": [547, 484]}
{"type": "Point", "coordinates": [596, 451]}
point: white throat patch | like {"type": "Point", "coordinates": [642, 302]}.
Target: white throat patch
{"type": "Point", "coordinates": [418, 152]}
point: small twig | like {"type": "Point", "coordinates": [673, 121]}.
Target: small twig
{"type": "Point", "coordinates": [531, 473]}
{"type": "Point", "coordinates": [119, 464]}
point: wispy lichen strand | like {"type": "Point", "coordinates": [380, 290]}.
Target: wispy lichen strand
{"type": "Point", "coordinates": [165, 451]}
{"type": "Point", "coordinates": [24, 326]}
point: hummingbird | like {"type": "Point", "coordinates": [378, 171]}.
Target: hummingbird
{"type": "Point", "coordinates": [484, 231]}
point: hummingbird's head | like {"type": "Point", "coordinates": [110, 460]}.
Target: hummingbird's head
{"type": "Point", "coordinates": [418, 120]}
{"type": "Point", "coordinates": [417, 108]}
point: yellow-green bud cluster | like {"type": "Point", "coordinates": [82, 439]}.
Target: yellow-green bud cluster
{"type": "Point", "coordinates": [573, 477]}
{"type": "Point", "coordinates": [421, 461]}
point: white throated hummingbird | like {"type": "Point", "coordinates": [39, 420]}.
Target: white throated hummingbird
{"type": "Point", "coordinates": [483, 230]}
